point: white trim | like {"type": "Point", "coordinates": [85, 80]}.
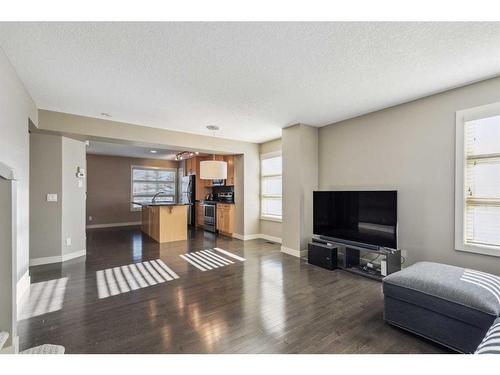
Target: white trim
{"type": "Point", "coordinates": [269, 155]}
{"type": "Point", "coordinates": [112, 225]}
{"type": "Point", "coordinates": [12, 349]}
{"type": "Point", "coordinates": [45, 260]}
{"type": "Point", "coordinates": [272, 218]}
{"type": "Point", "coordinates": [23, 285]}
{"type": "Point", "coordinates": [57, 258]}
{"type": "Point", "coordinates": [270, 238]}
{"type": "Point", "coordinates": [74, 255]}
{"type": "Point", "coordinates": [246, 237]}
{"type": "Point", "coordinates": [257, 236]}
{"type": "Point", "coordinates": [461, 117]}
{"type": "Point", "coordinates": [293, 252]}
{"type": "Point", "coordinates": [6, 172]}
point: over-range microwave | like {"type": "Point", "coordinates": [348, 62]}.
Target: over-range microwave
{"type": "Point", "coordinates": [217, 182]}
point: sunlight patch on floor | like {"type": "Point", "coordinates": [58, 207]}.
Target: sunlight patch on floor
{"type": "Point", "coordinates": [118, 280]}
{"type": "Point", "coordinates": [44, 297]}
{"type": "Point", "coordinates": [209, 259]}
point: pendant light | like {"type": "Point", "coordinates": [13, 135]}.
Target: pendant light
{"type": "Point", "coordinates": [213, 169]}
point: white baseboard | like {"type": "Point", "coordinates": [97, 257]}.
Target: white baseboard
{"type": "Point", "coordinates": [249, 237]}
{"type": "Point", "coordinates": [270, 238]}
{"type": "Point", "coordinates": [23, 285]}
{"type": "Point", "coordinates": [74, 255]}
{"type": "Point", "coordinates": [45, 260]}
{"type": "Point", "coordinates": [57, 258]}
{"type": "Point", "coordinates": [12, 349]}
{"type": "Point", "coordinates": [295, 253]}
{"type": "Point", "coordinates": [246, 237]}
{"type": "Point", "coordinates": [112, 225]}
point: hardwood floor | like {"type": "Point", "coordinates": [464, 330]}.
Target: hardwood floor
{"type": "Point", "coordinates": [269, 303]}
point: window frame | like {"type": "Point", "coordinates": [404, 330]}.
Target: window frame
{"type": "Point", "coordinates": [263, 196]}
{"type": "Point", "coordinates": [134, 209]}
{"type": "Point", "coordinates": [463, 116]}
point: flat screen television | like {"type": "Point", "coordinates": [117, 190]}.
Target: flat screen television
{"type": "Point", "coordinates": [360, 217]}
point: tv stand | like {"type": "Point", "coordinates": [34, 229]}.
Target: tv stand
{"type": "Point", "coordinates": [350, 258]}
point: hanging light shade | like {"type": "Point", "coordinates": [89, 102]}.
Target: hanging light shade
{"type": "Point", "coordinates": [213, 170]}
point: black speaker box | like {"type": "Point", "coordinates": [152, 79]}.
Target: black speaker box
{"type": "Point", "coordinates": [321, 255]}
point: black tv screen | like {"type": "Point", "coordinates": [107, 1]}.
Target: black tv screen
{"type": "Point", "coordinates": [364, 217]}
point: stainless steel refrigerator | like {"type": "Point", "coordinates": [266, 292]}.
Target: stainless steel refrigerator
{"type": "Point", "coordinates": [187, 196]}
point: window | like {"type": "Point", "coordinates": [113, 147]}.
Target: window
{"type": "Point", "coordinates": [477, 195]}
{"type": "Point", "coordinates": [271, 196]}
{"type": "Point", "coordinates": [147, 181]}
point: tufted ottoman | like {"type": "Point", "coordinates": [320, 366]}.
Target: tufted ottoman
{"type": "Point", "coordinates": [450, 305]}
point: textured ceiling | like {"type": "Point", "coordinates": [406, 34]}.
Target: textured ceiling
{"type": "Point", "coordinates": [251, 79]}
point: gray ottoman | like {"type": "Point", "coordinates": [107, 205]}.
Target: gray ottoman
{"type": "Point", "coordinates": [450, 305]}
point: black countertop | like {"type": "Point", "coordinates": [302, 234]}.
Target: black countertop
{"type": "Point", "coordinates": [161, 204]}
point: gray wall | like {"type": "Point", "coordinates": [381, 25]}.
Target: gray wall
{"type": "Point", "coordinates": [300, 179]}
{"type": "Point", "coordinates": [73, 195]}
{"type": "Point", "coordinates": [46, 177]}
{"type": "Point", "coordinates": [17, 107]}
{"type": "Point", "coordinates": [53, 162]}
{"type": "Point", "coordinates": [267, 227]}
{"type": "Point", "coordinates": [239, 194]}
{"type": "Point", "coordinates": [108, 187]}
{"type": "Point", "coordinates": [410, 148]}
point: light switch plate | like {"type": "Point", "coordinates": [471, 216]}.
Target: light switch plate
{"type": "Point", "coordinates": [52, 197]}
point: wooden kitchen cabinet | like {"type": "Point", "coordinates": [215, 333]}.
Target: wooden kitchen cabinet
{"type": "Point", "coordinates": [229, 159]}
{"type": "Point", "coordinates": [165, 223]}
{"type": "Point", "coordinates": [191, 166]}
{"type": "Point", "coordinates": [199, 214]}
{"type": "Point", "coordinates": [201, 185]}
{"type": "Point", "coordinates": [225, 218]}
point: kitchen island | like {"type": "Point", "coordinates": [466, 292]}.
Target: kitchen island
{"type": "Point", "coordinates": [164, 222]}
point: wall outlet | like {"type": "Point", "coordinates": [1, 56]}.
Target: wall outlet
{"type": "Point", "coordinates": [52, 197]}
{"type": "Point", "coordinates": [91, 218]}
{"type": "Point", "coordinates": [68, 241]}
{"type": "Point", "coordinates": [80, 183]}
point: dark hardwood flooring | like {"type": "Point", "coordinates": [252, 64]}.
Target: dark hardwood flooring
{"type": "Point", "coordinates": [271, 303]}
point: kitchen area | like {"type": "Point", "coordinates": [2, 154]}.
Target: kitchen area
{"type": "Point", "coordinates": [208, 184]}
{"type": "Point", "coordinates": [168, 193]}
{"type": "Point", "coordinates": [205, 200]}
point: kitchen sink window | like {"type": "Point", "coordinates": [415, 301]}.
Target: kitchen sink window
{"type": "Point", "coordinates": [271, 195]}
{"type": "Point", "coordinates": [148, 181]}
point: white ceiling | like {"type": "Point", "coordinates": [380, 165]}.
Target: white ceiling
{"type": "Point", "coordinates": [117, 149]}
{"type": "Point", "coordinates": [251, 79]}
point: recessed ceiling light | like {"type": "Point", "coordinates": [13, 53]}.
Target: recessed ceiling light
{"type": "Point", "coordinates": [153, 151]}
{"type": "Point", "coordinates": [104, 114]}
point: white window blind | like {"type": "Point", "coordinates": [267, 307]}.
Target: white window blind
{"type": "Point", "coordinates": [148, 181]}
{"type": "Point", "coordinates": [271, 193]}
{"type": "Point", "coordinates": [482, 182]}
